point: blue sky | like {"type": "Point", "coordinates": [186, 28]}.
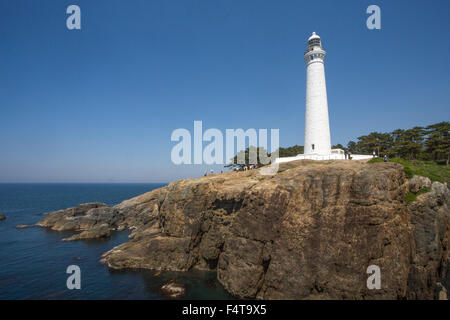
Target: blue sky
{"type": "Point", "coordinates": [99, 104]}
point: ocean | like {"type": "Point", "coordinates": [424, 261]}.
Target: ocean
{"type": "Point", "coordinates": [33, 261]}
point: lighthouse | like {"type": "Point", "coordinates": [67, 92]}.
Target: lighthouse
{"type": "Point", "coordinates": [317, 144]}
{"type": "Point", "coordinates": [317, 125]}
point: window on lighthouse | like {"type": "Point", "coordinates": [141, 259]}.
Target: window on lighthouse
{"type": "Point", "coordinates": [312, 146]}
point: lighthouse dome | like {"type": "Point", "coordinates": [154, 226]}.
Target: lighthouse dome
{"type": "Point", "coordinates": [314, 41]}
{"type": "Point", "coordinates": [313, 36]}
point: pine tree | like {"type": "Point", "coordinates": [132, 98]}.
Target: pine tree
{"type": "Point", "coordinates": [438, 141]}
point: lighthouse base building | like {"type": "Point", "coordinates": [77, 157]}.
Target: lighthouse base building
{"type": "Point", "coordinates": [317, 144]}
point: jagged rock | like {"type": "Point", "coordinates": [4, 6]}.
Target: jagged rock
{"type": "Point", "coordinates": [418, 182]}
{"type": "Point", "coordinates": [173, 289]}
{"type": "Point", "coordinates": [2, 217]}
{"type": "Point", "coordinates": [428, 218]}
{"type": "Point", "coordinates": [308, 232]}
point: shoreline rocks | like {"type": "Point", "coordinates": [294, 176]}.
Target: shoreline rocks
{"type": "Point", "coordinates": [91, 221]}
{"type": "Point", "coordinates": [173, 289]}
{"type": "Point", "coordinates": [308, 232]}
{"type": "Point", "coordinates": [102, 231]}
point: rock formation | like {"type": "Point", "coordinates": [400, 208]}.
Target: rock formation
{"type": "Point", "coordinates": [173, 289]}
{"type": "Point", "coordinates": [308, 232]}
{"type": "Point", "coordinates": [2, 217]}
{"type": "Point", "coordinates": [23, 226]}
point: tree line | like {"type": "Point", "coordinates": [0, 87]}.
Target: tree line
{"type": "Point", "coordinates": [418, 143]}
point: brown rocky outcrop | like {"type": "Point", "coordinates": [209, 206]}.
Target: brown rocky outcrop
{"type": "Point", "coordinates": [308, 232]}
{"type": "Point", "coordinates": [428, 217]}
{"type": "Point", "coordinates": [99, 231]}
{"type": "Point", "coordinates": [417, 183]}
{"type": "Point", "coordinates": [92, 220]}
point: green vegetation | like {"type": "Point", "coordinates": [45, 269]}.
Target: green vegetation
{"type": "Point", "coordinates": [422, 168]}
{"type": "Point", "coordinates": [430, 143]}
{"type": "Point", "coordinates": [375, 160]}
{"type": "Point", "coordinates": [251, 155]}
{"type": "Point", "coordinates": [423, 151]}
{"type": "Point", "coordinates": [410, 197]}
{"type": "Point", "coordinates": [262, 157]}
{"type": "Point", "coordinates": [291, 151]}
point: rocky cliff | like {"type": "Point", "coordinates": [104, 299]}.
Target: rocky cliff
{"type": "Point", "coordinates": [308, 232]}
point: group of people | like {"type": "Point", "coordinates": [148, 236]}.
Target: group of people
{"type": "Point", "coordinates": [241, 168]}
{"type": "Point", "coordinates": [211, 172]}
{"type": "Point", "coordinates": [247, 167]}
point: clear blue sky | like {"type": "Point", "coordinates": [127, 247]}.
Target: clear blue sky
{"type": "Point", "coordinates": [100, 104]}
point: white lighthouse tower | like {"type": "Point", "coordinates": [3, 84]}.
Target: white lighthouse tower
{"type": "Point", "coordinates": [317, 125]}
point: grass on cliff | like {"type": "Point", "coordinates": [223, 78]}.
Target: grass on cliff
{"type": "Point", "coordinates": [410, 197]}
{"type": "Point", "coordinates": [428, 169]}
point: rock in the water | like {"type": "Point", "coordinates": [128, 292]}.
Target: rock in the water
{"type": "Point", "coordinates": [91, 220]}
{"type": "Point", "coordinates": [23, 226]}
{"type": "Point", "coordinates": [173, 289]}
{"type": "Point", "coordinates": [308, 232]}
{"type": "Point", "coordinates": [2, 217]}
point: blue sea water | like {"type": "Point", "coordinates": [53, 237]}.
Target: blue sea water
{"type": "Point", "coordinates": [33, 261]}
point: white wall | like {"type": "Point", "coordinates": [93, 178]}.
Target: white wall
{"type": "Point", "coordinates": [318, 157]}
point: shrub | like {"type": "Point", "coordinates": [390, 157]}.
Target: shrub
{"type": "Point", "coordinates": [410, 197]}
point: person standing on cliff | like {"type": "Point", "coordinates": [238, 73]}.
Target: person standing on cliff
{"type": "Point", "coordinates": [385, 158]}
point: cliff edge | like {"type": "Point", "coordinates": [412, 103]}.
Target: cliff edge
{"type": "Point", "coordinates": [308, 232]}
